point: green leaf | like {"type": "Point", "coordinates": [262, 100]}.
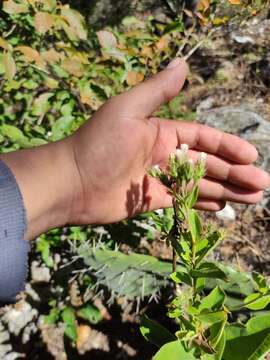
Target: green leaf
{"type": "Point", "coordinates": [257, 301]}
{"type": "Point", "coordinates": [241, 345]}
{"type": "Point", "coordinates": [209, 318]}
{"type": "Point", "coordinates": [192, 197]}
{"type": "Point", "coordinates": [154, 332]}
{"type": "Point", "coordinates": [53, 316]}
{"type": "Point", "coordinates": [90, 313]}
{"type": "Point", "coordinates": [194, 225]}
{"type": "Point", "coordinates": [9, 65]}
{"type": "Point", "coordinates": [41, 104]}
{"type": "Point", "coordinates": [258, 323]}
{"type": "Point", "coordinates": [208, 270]}
{"type": "Point", "coordinates": [181, 277]}
{"type": "Point", "coordinates": [217, 338]}
{"type": "Point", "coordinates": [12, 132]}
{"type": "Point", "coordinates": [214, 300]}
{"type": "Point", "coordinates": [260, 282]}
{"type": "Point", "coordinates": [208, 244]}
{"type": "Point", "coordinates": [75, 21]}
{"type": "Point", "coordinates": [173, 351]}
{"type": "Point", "coordinates": [43, 246]}
{"type": "Point", "coordinates": [68, 316]}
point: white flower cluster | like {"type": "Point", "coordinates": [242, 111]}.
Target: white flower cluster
{"type": "Point", "coordinates": [182, 155]}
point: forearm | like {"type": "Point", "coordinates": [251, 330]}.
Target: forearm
{"type": "Point", "coordinates": [47, 181]}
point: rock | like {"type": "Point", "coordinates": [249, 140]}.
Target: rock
{"type": "Point", "coordinates": [244, 121]}
{"type": "Point", "coordinates": [19, 316]}
{"type": "Point", "coordinates": [227, 214]}
{"type": "Point", "coordinates": [255, 32]}
{"type": "Point", "coordinates": [53, 337]}
{"type": "Point", "coordinates": [90, 339]}
{"type": "Point", "coordinates": [40, 273]}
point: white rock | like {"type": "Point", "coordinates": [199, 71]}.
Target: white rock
{"type": "Point", "coordinates": [17, 318]}
{"type": "Point", "coordinates": [40, 274]}
{"type": "Point", "coordinates": [228, 213]}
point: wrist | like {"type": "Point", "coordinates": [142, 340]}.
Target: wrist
{"type": "Point", "coordinates": [46, 179]}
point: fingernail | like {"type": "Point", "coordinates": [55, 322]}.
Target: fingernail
{"type": "Point", "coordinates": [175, 62]}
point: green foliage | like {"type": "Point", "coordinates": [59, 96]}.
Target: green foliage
{"type": "Point", "coordinates": [205, 331]}
{"type": "Point", "coordinates": [55, 71]}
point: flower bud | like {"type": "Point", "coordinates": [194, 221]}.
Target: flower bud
{"type": "Point", "coordinates": [184, 148]}
{"type": "Point", "coordinates": [180, 155]}
{"type": "Point", "coordinates": [202, 157]}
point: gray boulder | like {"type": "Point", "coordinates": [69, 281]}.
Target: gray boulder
{"type": "Point", "coordinates": [245, 122]}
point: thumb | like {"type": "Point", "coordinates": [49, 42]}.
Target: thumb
{"type": "Point", "coordinates": [147, 97]}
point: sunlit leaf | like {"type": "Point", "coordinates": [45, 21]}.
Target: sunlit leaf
{"type": "Point", "coordinates": [31, 55]}
{"type": "Point", "coordinates": [43, 22]}
{"type": "Point", "coordinates": [12, 7]}
{"type": "Point", "coordinates": [134, 78]}
{"type": "Point", "coordinates": [9, 65]}
{"type": "Point", "coordinates": [106, 39]}
{"type": "Point", "coordinates": [75, 21]}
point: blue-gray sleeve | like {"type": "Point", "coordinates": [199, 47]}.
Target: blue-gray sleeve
{"type": "Point", "coordinates": [13, 248]}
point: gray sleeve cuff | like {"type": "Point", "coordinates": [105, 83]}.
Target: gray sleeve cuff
{"type": "Point", "coordinates": [13, 248]}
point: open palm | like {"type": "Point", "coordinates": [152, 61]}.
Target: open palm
{"type": "Point", "coordinates": [114, 150]}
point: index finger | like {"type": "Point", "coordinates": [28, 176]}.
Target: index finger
{"type": "Point", "coordinates": [212, 141]}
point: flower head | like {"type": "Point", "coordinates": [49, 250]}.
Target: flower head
{"type": "Point", "coordinates": [202, 157]}
{"type": "Point", "coordinates": [184, 148]}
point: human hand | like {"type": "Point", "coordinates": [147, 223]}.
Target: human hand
{"type": "Point", "coordinates": [114, 150]}
{"type": "Point", "coordinates": [99, 174]}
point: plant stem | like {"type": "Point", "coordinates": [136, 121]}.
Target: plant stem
{"type": "Point", "coordinates": [174, 262]}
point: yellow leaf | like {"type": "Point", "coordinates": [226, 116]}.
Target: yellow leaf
{"type": "Point", "coordinates": [235, 2]}
{"type": "Point", "coordinates": [76, 21]}
{"type": "Point", "coordinates": [47, 5]}
{"type": "Point", "coordinates": [31, 55]}
{"type": "Point", "coordinates": [4, 44]}
{"type": "Point", "coordinates": [89, 97]}
{"type": "Point", "coordinates": [12, 7]}
{"type": "Point", "coordinates": [73, 67]}
{"type": "Point", "coordinates": [162, 44]}
{"type": "Point", "coordinates": [147, 52]}
{"type": "Point", "coordinates": [134, 77]}
{"type": "Point", "coordinates": [9, 65]}
{"type": "Point", "coordinates": [43, 22]}
{"type": "Point", "coordinates": [106, 39]}
{"type": "Point", "coordinates": [203, 5]}
{"type": "Point", "coordinates": [52, 56]}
